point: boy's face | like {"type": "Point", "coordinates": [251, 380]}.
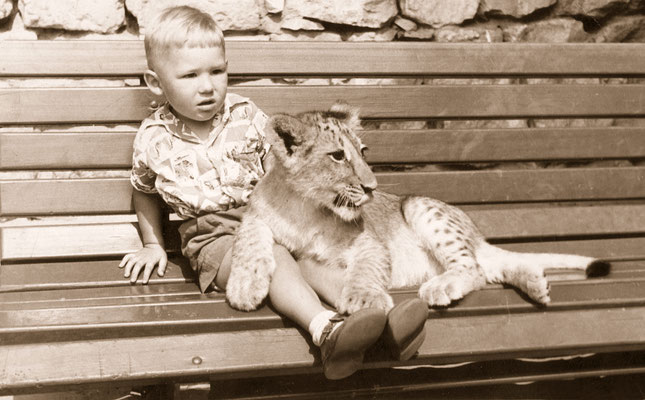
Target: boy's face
{"type": "Point", "coordinates": [194, 82]}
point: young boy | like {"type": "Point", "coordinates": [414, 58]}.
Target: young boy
{"type": "Point", "coordinates": [202, 152]}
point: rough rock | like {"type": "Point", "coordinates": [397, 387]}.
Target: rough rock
{"type": "Point", "coordinates": [438, 13]}
{"type": "Point", "coordinates": [559, 30]}
{"type": "Point", "coordinates": [6, 8]}
{"type": "Point", "coordinates": [382, 35]}
{"type": "Point", "coordinates": [590, 8]}
{"type": "Point", "coordinates": [15, 30]}
{"type": "Point", "coordinates": [421, 33]}
{"type": "Point", "coordinates": [622, 29]}
{"type": "Point", "coordinates": [274, 6]}
{"type": "Point", "coordinates": [513, 8]}
{"type": "Point", "coordinates": [105, 16]}
{"type": "Point", "coordinates": [485, 124]}
{"type": "Point", "coordinates": [292, 19]}
{"type": "Point", "coordinates": [405, 24]}
{"type": "Point", "coordinates": [473, 33]}
{"type": "Point", "coordinates": [364, 13]}
{"type": "Point", "coordinates": [287, 35]}
{"type": "Point", "coordinates": [231, 15]}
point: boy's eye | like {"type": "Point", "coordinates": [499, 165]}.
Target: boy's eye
{"type": "Point", "coordinates": [188, 76]}
{"type": "Point", "coordinates": [337, 156]}
{"type": "Point", "coordinates": [217, 71]}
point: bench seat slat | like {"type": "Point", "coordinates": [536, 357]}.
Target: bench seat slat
{"type": "Point", "coordinates": [45, 280]}
{"type": "Point", "coordinates": [92, 58]}
{"type": "Point", "coordinates": [113, 195]}
{"type": "Point", "coordinates": [629, 248]}
{"type": "Point", "coordinates": [117, 238]}
{"type": "Point", "coordinates": [285, 351]}
{"type": "Point", "coordinates": [171, 302]}
{"type": "Point", "coordinates": [61, 150]}
{"type": "Point", "coordinates": [83, 274]}
{"type": "Point", "coordinates": [422, 101]}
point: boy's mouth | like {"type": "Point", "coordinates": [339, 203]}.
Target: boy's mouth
{"type": "Point", "coordinates": [209, 102]}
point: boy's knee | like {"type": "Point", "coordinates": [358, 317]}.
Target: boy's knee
{"type": "Point", "coordinates": [281, 252]}
{"type": "Point", "coordinates": [284, 260]}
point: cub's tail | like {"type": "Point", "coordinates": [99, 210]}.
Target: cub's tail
{"type": "Point", "coordinates": [527, 270]}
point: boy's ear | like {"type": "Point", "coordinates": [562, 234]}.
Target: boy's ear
{"type": "Point", "coordinates": [153, 82]}
{"type": "Point", "coordinates": [289, 134]}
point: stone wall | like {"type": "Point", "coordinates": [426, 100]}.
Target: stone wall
{"type": "Point", "coordinates": [547, 21]}
{"type": "Point", "coordinates": [434, 20]}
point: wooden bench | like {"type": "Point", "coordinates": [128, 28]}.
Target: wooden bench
{"type": "Point", "coordinates": [68, 319]}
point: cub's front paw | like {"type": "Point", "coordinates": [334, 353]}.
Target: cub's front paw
{"type": "Point", "coordinates": [354, 299]}
{"type": "Point", "coordinates": [451, 285]}
{"type": "Point", "coordinates": [247, 287]}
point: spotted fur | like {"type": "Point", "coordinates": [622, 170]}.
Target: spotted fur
{"type": "Point", "coordinates": [319, 201]}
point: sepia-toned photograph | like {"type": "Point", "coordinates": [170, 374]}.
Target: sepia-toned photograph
{"type": "Point", "coordinates": [322, 199]}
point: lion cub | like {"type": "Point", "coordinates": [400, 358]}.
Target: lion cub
{"type": "Point", "coordinates": [319, 201]}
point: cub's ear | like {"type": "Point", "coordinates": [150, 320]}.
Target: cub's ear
{"type": "Point", "coordinates": [288, 131]}
{"type": "Point", "coordinates": [347, 113]}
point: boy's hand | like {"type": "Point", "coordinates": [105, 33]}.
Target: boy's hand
{"type": "Point", "coordinates": [147, 258]}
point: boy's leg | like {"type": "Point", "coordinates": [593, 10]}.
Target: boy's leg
{"type": "Point", "coordinates": [405, 329]}
{"type": "Point", "coordinates": [343, 341]}
{"type": "Point", "coordinates": [327, 282]}
{"type": "Point", "coordinates": [289, 292]}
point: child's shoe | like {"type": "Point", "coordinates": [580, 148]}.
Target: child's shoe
{"type": "Point", "coordinates": [405, 329]}
{"type": "Point", "coordinates": [342, 349]}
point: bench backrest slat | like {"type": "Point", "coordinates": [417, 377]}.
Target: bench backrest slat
{"type": "Point", "coordinates": [113, 195]}
{"type": "Point", "coordinates": [540, 224]}
{"type": "Point", "coordinates": [126, 58]}
{"type": "Point", "coordinates": [113, 149]}
{"type": "Point", "coordinates": [112, 105]}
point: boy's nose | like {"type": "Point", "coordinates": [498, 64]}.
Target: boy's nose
{"type": "Point", "coordinates": [205, 85]}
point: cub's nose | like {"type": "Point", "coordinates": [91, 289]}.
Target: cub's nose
{"type": "Point", "coordinates": [368, 189]}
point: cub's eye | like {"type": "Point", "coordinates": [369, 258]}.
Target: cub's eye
{"type": "Point", "coordinates": [363, 150]}
{"type": "Point", "coordinates": [338, 156]}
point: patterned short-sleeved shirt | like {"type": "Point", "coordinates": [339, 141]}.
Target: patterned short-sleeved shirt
{"type": "Point", "coordinates": [196, 177]}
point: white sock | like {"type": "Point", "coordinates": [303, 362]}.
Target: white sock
{"type": "Point", "coordinates": [318, 324]}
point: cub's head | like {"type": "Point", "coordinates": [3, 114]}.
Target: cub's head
{"type": "Point", "coordinates": [322, 158]}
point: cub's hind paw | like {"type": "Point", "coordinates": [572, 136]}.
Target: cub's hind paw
{"type": "Point", "coordinates": [354, 299]}
{"type": "Point", "coordinates": [451, 285]}
{"type": "Point", "coordinates": [537, 287]}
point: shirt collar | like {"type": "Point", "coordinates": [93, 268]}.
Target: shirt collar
{"type": "Point", "coordinates": [179, 129]}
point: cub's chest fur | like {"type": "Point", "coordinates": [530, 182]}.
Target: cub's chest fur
{"type": "Point", "coordinates": [306, 230]}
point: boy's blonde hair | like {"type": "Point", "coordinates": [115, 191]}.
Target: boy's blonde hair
{"type": "Point", "coordinates": [180, 26]}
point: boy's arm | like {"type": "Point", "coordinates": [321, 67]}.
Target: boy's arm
{"type": "Point", "coordinates": [149, 214]}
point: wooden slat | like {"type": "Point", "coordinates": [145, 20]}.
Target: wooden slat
{"type": "Point", "coordinates": [43, 278]}
{"type": "Point", "coordinates": [610, 249]}
{"type": "Point", "coordinates": [65, 150]}
{"type": "Point", "coordinates": [61, 150]}
{"type": "Point", "coordinates": [425, 101]}
{"type": "Point", "coordinates": [83, 274]}
{"type": "Point", "coordinates": [73, 196]}
{"type": "Point", "coordinates": [113, 195]}
{"type": "Point", "coordinates": [115, 307]}
{"type": "Point", "coordinates": [519, 185]}
{"type": "Point", "coordinates": [518, 224]}
{"type": "Point", "coordinates": [24, 58]}
{"type": "Point", "coordinates": [481, 145]}
{"type": "Point", "coordinates": [285, 350]}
